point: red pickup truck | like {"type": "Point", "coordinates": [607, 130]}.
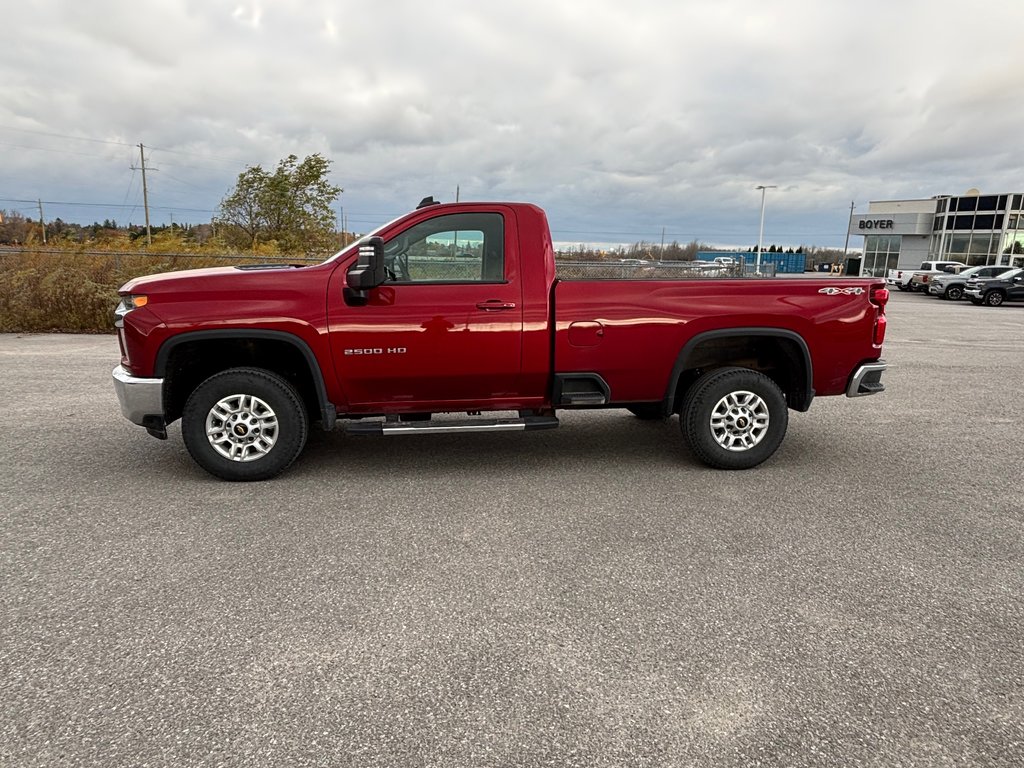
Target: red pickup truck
{"type": "Point", "coordinates": [456, 308]}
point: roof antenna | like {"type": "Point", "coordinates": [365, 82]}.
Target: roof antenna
{"type": "Point", "coordinates": [427, 201]}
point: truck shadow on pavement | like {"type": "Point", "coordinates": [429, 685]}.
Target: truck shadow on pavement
{"type": "Point", "coordinates": [613, 438]}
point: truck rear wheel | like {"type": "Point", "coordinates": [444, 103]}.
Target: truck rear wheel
{"type": "Point", "coordinates": [244, 424]}
{"type": "Point", "coordinates": [734, 418]}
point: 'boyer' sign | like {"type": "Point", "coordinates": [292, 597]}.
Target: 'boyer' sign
{"type": "Point", "coordinates": [874, 224]}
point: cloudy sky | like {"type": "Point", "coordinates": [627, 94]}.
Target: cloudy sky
{"type": "Point", "coordinates": [620, 118]}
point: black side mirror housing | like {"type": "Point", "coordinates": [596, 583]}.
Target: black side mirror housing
{"type": "Point", "coordinates": [368, 272]}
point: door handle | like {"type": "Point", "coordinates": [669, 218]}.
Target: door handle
{"type": "Point", "coordinates": [495, 305]}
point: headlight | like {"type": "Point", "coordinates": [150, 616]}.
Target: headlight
{"type": "Point", "coordinates": [129, 302]}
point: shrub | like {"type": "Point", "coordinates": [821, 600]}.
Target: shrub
{"type": "Point", "coordinates": [72, 291]}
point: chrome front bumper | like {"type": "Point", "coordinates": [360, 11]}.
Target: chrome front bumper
{"type": "Point", "coordinates": [139, 398]}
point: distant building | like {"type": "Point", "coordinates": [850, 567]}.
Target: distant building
{"type": "Point", "coordinates": [972, 228]}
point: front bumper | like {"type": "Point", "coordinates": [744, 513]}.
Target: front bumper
{"type": "Point", "coordinates": [974, 293]}
{"type": "Point", "coordinates": [867, 379]}
{"type": "Point", "coordinates": [142, 400]}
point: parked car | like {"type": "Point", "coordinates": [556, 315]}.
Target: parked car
{"type": "Point", "coordinates": [952, 286]}
{"type": "Point", "coordinates": [995, 290]}
{"type": "Point", "coordinates": [903, 278]}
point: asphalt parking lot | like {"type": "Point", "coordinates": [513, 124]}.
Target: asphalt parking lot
{"type": "Point", "coordinates": [589, 596]}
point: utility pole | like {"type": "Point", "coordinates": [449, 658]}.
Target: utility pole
{"type": "Point", "coordinates": [456, 193]}
{"type": "Point", "coordinates": [662, 243]}
{"type": "Point", "coordinates": [760, 232]}
{"type": "Point", "coordinates": [42, 223]}
{"type": "Point", "coordinates": [847, 246]}
{"type": "Point", "coordinates": [145, 194]}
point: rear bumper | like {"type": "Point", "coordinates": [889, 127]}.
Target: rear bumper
{"type": "Point", "coordinates": [867, 379]}
{"type": "Point", "coordinates": [142, 400]}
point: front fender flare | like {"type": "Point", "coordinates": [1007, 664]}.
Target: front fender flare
{"type": "Point", "coordinates": [328, 413]}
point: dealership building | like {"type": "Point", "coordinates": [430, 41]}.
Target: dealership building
{"type": "Point", "coordinates": [972, 228]}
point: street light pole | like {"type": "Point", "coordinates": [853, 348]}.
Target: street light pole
{"type": "Point", "coordinates": [760, 232]}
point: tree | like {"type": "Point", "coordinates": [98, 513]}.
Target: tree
{"type": "Point", "coordinates": [14, 228]}
{"type": "Point", "coordinates": [292, 206]}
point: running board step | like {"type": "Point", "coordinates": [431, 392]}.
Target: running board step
{"type": "Point", "coordinates": [583, 398]}
{"type": "Point", "coordinates": [379, 428]}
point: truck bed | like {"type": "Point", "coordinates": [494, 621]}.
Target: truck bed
{"type": "Point", "coordinates": [631, 331]}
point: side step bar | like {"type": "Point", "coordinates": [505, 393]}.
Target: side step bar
{"type": "Point", "coordinates": [379, 428]}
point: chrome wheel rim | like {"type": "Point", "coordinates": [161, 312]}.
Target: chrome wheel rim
{"type": "Point", "coordinates": [739, 421]}
{"type": "Point", "coordinates": [241, 428]}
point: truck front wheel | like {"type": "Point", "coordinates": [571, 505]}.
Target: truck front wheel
{"type": "Point", "coordinates": [993, 298]}
{"type": "Point", "coordinates": [734, 418]}
{"type": "Point", "coordinates": [244, 424]}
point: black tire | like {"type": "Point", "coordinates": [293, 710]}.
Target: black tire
{"type": "Point", "coordinates": [734, 418]}
{"type": "Point", "coordinates": [903, 287]}
{"type": "Point", "coordinates": [646, 411]}
{"type": "Point", "coordinates": [954, 293]}
{"type": "Point", "coordinates": [265, 426]}
{"type": "Point", "coordinates": [993, 299]}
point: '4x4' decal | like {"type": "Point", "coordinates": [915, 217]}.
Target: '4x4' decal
{"type": "Point", "coordinates": [830, 291]}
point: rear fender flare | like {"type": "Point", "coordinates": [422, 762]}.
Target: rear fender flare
{"type": "Point", "coordinates": [780, 333]}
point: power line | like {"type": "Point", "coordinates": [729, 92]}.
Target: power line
{"type": "Point", "coordinates": [104, 141]}
{"type": "Point", "coordinates": [65, 136]}
{"type": "Point", "coordinates": [49, 149]}
{"type": "Point", "coordinates": [215, 158]}
{"type": "Point", "coordinates": [128, 191]}
{"type": "Point", "coordinates": [106, 205]}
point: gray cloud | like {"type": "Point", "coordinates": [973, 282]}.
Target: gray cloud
{"type": "Point", "coordinates": [619, 118]}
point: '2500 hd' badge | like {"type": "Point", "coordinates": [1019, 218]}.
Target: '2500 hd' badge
{"type": "Point", "coordinates": [376, 351]}
{"type": "Point", "coordinates": [830, 291]}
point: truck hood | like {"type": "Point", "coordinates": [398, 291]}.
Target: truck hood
{"type": "Point", "coordinates": [213, 278]}
{"type": "Point", "coordinates": [229, 295]}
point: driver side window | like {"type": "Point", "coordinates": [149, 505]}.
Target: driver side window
{"type": "Point", "coordinates": [458, 248]}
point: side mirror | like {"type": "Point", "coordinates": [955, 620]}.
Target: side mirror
{"type": "Point", "coordinates": [368, 271]}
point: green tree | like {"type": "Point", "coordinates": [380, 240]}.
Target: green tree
{"type": "Point", "coordinates": [292, 206]}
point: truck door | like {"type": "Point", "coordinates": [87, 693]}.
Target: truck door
{"type": "Point", "coordinates": [1016, 288]}
{"type": "Point", "coordinates": [445, 327]}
